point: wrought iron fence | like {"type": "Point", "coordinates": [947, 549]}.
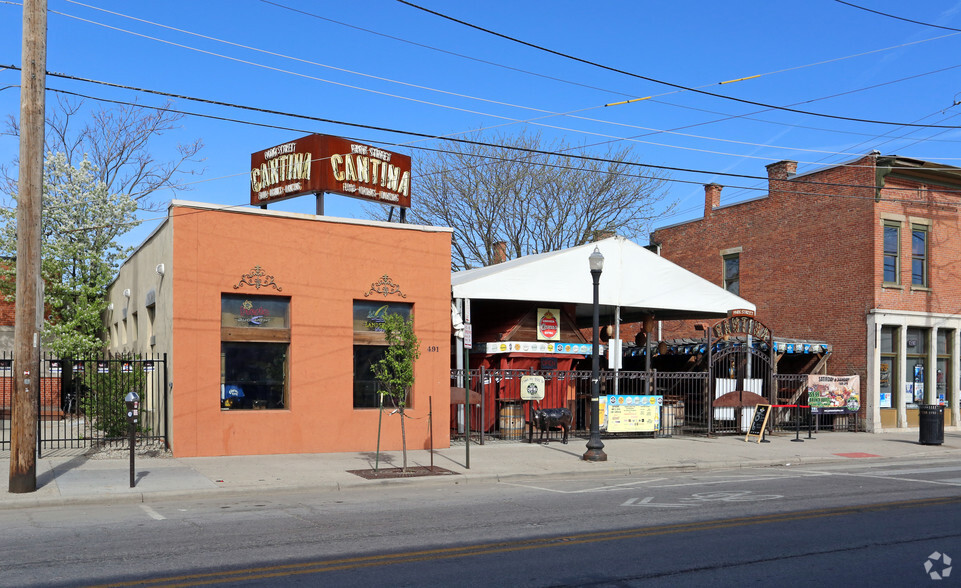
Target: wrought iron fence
{"type": "Point", "coordinates": [498, 412]}
{"type": "Point", "coordinates": [81, 401]}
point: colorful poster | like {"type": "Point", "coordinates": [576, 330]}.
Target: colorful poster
{"type": "Point", "coordinates": [834, 394]}
{"type": "Point", "coordinates": [628, 413]}
{"type": "Point", "coordinates": [885, 400]}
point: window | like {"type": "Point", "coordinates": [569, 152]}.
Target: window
{"type": "Point", "coordinates": [889, 366]}
{"type": "Point", "coordinates": [369, 344]}
{"type": "Point", "coordinates": [892, 252]}
{"type": "Point", "coordinates": [917, 344]}
{"type": "Point", "coordinates": [732, 273]}
{"type": "Point", "coordinates": [919, 255]}
{"type": "Point", "coordinates": [151, 318]}
{"type": "Point", "coordinates": [134, 328]}
{"type": "Point", "coordinates": [943, 375]}
{"type": "Point", "coordinates": [254, 345]}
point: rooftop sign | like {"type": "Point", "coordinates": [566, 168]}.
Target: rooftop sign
{"type": "Point", "coordinates": [321, 163]}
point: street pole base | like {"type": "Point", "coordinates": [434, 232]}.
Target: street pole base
{"type": "Point", "coordinates": [595, 455]}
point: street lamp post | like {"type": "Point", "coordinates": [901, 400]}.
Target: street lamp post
{"type": "Point", "coordinates": [595, 448]}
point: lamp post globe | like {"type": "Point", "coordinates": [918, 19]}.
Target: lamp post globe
{"type": "Point", "coordinates": [595, 448]}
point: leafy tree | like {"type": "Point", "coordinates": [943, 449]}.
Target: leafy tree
{"type": "Point", "coordinates": [532, 195]}
{"type": "Point", "coordinates": [80, 254]}
{"type": "Point", "coordinates": [117, 141]}
{"type": "Point", "coordinates": [395, 372]}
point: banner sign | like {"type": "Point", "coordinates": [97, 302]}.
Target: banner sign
{"type": "Point", "coordinates": [321, 163]}
{"type": "Point", "coordinates": [834, 394]}
{"type": "Point", "coordinates": [623, 413]}
{"type": "Point", "coordinates": [539, 347]}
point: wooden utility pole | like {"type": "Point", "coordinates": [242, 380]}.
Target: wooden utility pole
{"type": "Point", "coordinates": [29, 305]}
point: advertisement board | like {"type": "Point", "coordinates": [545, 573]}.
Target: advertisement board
{"type": "Point", "coordinates": [834, 394]}
{"type": "Point", "coordinates": [629, 413]}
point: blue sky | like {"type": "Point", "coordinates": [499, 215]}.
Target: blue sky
{"type": "Point", "coordinates": [387, 64]}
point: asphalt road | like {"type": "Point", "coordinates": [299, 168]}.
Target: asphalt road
{"type": "Point", "coordinates": [861, 522]}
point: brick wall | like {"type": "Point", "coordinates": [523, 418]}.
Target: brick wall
{"type": "Point", "coordinates": [49, 393]}
{"type": "Point", "coordinates": [811, 256]}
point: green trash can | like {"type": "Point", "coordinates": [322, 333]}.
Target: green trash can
{"type": "Point", "coordinates": [931, 424]}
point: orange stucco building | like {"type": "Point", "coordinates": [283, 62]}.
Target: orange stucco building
{"type": "Point", "coordinates": [269, 321]}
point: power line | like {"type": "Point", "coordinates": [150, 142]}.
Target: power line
{"type": "Point", "coordinates": [570, 114]}
{"type": "Point", "coordinates": [663, 82]}
{"type": "Point", "coordinates": [926, 24]}
{"type": "Point", "coordinates": [372, 127]}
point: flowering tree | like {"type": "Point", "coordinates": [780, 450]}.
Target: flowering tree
{"type": "Point", "coordinates": [80, 254]}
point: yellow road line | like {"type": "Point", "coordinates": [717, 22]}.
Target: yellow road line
{"type": "Point", "coordinates": [266, 572]}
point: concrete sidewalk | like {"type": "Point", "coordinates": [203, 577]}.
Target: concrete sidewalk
{"type": "Point", "coordinates": [82, 479]}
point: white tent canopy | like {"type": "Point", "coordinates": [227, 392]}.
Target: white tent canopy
{"type": "Point", "coordinates": [634, 279]}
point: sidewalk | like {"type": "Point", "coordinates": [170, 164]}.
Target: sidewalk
{"type": "Point", "coordinates": [80, 479]}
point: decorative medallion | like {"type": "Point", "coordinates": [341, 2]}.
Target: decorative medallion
{"type": "Point", "coordinates": [386, 287]}
{"type": "Point", "coordinates": [257, 278]}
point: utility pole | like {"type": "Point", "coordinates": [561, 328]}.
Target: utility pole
{"type": "Point", "coordinates": [29, 305]}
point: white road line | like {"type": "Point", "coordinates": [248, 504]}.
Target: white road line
{"type": "Point", "coordinates": [647, 502]}
{"type": "Point", "coordinates": [152, 513]}
{"type": "Point", "coordinates": [624, 486]}
{"type": "Point", "coordinates": [807, 474]}
{"type": "Point", "coordinates": [952, 482]}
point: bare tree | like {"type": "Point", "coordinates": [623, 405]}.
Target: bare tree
{"type": "Point", "coordinates": [117, 141]}
{"type": "Point", "coordinates": [533, 196]}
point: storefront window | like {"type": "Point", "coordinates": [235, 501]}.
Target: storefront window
{"type": "Point", "coordinates": [369, 344]}
{"type": "Point", "coordinates": [255, 341]}
{"type": "Point", "coordinates": [917, 345]}
{"type": "Point", "coordinates": [943, 376]}
{"type": "Point", "coordinates": [889, 367]}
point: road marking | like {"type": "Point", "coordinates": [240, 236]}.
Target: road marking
{"type": "Point", "coordinates": [152, 513]}
{"type": "Point", "coordinates": [647, 502]}
{"type": "Point", "coordinates": [880, 476]}
{"type": "Point", "coordinates": [614, 488]}
{"type": "Point", "coordinates": [739, 479]}
{"type": "Point", "coordinates": [426, 555]}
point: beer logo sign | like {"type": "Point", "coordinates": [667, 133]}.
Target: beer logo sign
{"type": "Point", "coordinates": [548, 325]}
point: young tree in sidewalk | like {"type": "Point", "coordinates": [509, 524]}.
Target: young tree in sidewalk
{"type": "Point", "coordinates": [82, 220]}
{"type": "Point", "coordinates": [532, 195]}
{"type": "Point", "coordinates": [395, 371]}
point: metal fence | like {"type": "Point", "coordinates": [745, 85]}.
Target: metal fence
{"type": "Point", "coordinates": [497, 411]}
{"type": "Point", "coordinates": [81, 401]}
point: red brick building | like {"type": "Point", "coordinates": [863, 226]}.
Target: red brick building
{"type": "Point", "coordinates": [862, 255]}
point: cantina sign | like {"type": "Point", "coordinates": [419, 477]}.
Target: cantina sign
{"type": "Point", "coordinates": [736, 325]}
{"type": "Point", "coordinates": [321, 163]}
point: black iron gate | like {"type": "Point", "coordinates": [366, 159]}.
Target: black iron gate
{"type": "Point", "coordinates": [741, 364]}
{"type": "Point", "coordinates": [81, 401]}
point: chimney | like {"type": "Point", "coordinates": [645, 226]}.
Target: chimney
{"type": "Point", "coordinates": [712, 198]}
{"type": "Point", "coordinates": [602, 234]}
{"type": "Point", "coordinates": [500, 252]}
{"type": "Point", "coordinates": [781, 170]}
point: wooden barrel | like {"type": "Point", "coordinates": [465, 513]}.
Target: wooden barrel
{"type": "Point", "coordinates": [512, 420]}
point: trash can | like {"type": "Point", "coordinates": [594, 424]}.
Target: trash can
{"type": "Point", "coordinates": [931, 424]}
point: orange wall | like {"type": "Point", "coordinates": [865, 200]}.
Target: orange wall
{"type": "Point", "coordinates": [323, 266]}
